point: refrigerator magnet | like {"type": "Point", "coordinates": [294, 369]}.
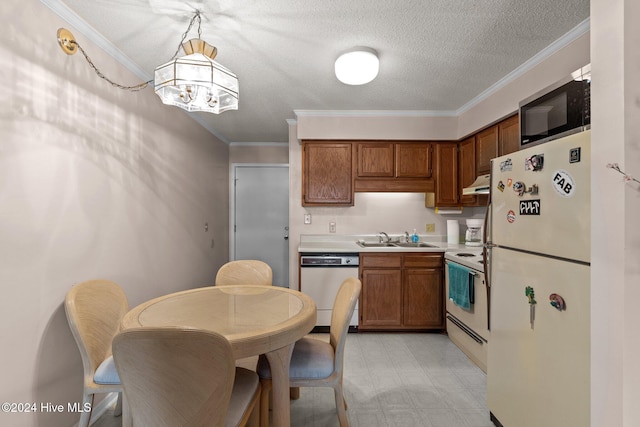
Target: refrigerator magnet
{"type": "Point", "coordinates": [534, 163]}
{"type": "Point", "coordinates": [563, 183]}
{"type": "Point", "coordinates": [506, 166]}
{"type": "Point", "coordinates": [501, 186]}
{"type": "Point", "coordinates": [511, 217]}
{"type": "Point", "coordinates": [574, 155]}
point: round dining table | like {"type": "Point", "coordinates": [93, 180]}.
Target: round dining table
{"type": "Point", "coordinates": [255, 319]}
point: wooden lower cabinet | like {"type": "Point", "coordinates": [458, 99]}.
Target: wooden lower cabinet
{"type": "Point", "coordinates": [401, 291]}
{"type": "Point", "coordinates": [381, 303]}
{"type": "Point", "coordinates": [422, 298]}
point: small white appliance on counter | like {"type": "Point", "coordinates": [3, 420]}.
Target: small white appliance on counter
{"type": "Point", "coordinates": [473, 236]}
{"type": "Point", "coordinates": [468, 328]}
{"type": "Point", "coordinates": [539, 256]}
{"type": "Point", "coordinates": [321, 275]}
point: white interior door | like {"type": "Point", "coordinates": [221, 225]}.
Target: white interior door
{"type": "Point", "coordinates": [260, 216]}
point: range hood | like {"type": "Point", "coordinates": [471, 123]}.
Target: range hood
{"type": "Point", "coordinates": [479, 186]}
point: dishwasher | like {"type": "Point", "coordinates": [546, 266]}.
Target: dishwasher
{"type": "Point", "coordinates": [321, 276]}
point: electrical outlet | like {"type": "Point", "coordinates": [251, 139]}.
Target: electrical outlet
{"type": "Point", "coordinates": [332, 227]}
{"type": "Point", "coordinates": [431, 228]}
{"type": "Point", "coordinates": [307, 218]}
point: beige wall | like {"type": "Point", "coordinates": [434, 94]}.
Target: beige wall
{"type": "Point", "coordinates": [615, 268]}
{"type": "Point", "coordinates": [95, 182]}
{"type": "Point", "coordinates": [374, 125]}
{"type": "Point", "coordinates": [259, 153]}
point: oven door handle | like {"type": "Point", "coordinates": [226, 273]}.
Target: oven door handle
{"type": "Point", "coordinates": [465, 329]}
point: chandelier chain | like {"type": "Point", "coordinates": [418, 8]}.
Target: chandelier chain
{"type": "Point", "coordinates": [135, 88]}
{"type": "Point", "coordinates": [102, 76]}
{"type": "Point", "coordinates": [186, 33]}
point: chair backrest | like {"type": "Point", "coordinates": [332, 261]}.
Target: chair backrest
{"type": "Point", "coordinates": [94, 310]}
{"type": "Point", "coordinates": [343, 307]}
{"type": "Point", "coordinates": [244, 272]}
{"type": "Point", "coordinates": [175, 377]}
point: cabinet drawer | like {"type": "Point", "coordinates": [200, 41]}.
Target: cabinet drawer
{"type": "Point", "coordinates": [381, 260]}
{"type": "Point", "coordinates": [419, 260]}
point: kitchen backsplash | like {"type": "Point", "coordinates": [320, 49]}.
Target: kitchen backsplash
{"type": "Point", "coordinates": [393, 213]}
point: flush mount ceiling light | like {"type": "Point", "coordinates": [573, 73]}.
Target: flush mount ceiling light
{"type": "Point", "coordinates": [357, 66]}
{"type": "Point", "coordinates": [194, 82]}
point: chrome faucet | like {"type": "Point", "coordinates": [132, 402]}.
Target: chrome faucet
{"type": "Point", "coordinates": [407, 239]}
{"type": "Point", "coordinates": [388, 239]}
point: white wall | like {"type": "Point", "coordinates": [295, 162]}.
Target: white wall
{"type": "Point", "coordinates": [615, 270]}
{"type": "Point", "coordinates": [95, 182]}
{"type": "Point", "coordinates": [258, 153]}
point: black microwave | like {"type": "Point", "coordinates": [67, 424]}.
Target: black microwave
{"type": "Point", "coordinates": [558, 110]}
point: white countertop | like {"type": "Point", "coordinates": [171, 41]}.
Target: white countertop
{"type": "Point", "coordinates": [315, 243]}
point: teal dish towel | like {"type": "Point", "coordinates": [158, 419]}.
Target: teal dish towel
{"type": "Point", "coordinates": [461, 285]}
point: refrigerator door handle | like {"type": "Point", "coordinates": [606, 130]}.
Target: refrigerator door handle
{"type": "Point", "coordinates": [485, 258]}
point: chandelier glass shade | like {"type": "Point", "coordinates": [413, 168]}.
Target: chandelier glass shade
{"type": "Point", "coordinates": [195, 82]}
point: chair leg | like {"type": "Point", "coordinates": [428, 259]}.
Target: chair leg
{"type": "Point", "coordinates": [264, 402]}
{"type": "Point", "coordinates": [85, 417]}
{"type": "Point", "coordinates": [341, 406]}
{"type": "Point", "coordinates": [294, 393]}
{"type": "Point", "coordinates": [118, 409]}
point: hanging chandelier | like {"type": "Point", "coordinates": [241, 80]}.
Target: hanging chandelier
{"type": "Point", "coordinates": [195, 82]}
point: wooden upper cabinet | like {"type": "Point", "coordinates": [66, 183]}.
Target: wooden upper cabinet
{"type": "Point", "coordinates": [486, 149]}
{"type": "Point", "coordinates": [376, 160]}
{"type": "Point", "coordinates": [327, 174]}
{"type": "Point", "coordinates": [413, 160]}
{"type": "Point", "coordinates": [446, 174]}
{"type": "Point", "coordinates": [394, 160]}
{"type": "Point", "coordinates": [467, 169]}
{"type": "Point", "coordinates": [509, 135]}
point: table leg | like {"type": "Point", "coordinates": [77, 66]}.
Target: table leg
{"type": "Point", "coordinates": [279, 361]}
{"type": "Point", "coordinates": [127, 420]}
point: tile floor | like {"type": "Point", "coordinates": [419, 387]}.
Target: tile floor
{"type": "Point", "coordinates": [395, 380]}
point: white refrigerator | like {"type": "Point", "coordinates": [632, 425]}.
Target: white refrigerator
{"type": "Point", "coordinates": [538, 370]}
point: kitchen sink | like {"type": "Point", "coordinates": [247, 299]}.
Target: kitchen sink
{"type": "Point", "coordinates": [414, 245]}
{"type": "Point", "coordinates": [375, 245]}
{"type": "Point", "coordinates": [396, 245]}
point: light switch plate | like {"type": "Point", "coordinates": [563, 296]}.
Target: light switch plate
{"type": "Point", "coordinates": [332, 227]}
{"type": "Point", "coordinates": [307, 218]}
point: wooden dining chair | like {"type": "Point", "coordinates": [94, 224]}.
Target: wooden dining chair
{"type": "Point", "coordinates": [94, 309]}
{"type": "Point", "coordinates": [317, 363]}
{"type": "Point", "coordinates": [244, 272]}
{"type": "Point", "coordinates": [178, 377]}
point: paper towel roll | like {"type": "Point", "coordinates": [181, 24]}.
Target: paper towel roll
{"type": "Point", "coordinates": [453, 231]}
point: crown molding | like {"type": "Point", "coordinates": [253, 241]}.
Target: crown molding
{"type": "Point", "coordinates": [259, 144]}
{"type": "Point", "coordinates": [94, 36]}
{"type": "Point", "coordinates": [568, 38]}
{"type": "Point", "coordinates": [373, 113]}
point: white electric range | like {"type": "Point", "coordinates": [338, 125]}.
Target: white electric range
{"type": "Point", "coordinates": [469, 329]}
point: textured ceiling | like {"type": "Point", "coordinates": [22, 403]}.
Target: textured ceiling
{"type": "Point", "coordinates": [435, 55]}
